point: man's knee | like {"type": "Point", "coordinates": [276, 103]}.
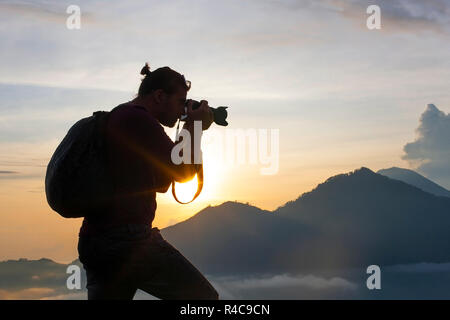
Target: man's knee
{"type": "Point", "coordinates": [208, 292]}
{"type": "Point", "coordinates": [212, 295]}
{"type": "Point", "coordinates": [204, 295]}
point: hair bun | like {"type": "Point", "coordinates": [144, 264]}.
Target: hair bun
{"type": "Point", "coordinates": [145, 71]}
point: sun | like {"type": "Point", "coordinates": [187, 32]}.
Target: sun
{"type": "Point", "coordinates": [212, 179]}
{"type": "Point", "coordinates": [186, 191]}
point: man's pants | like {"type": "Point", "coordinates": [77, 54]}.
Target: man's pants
{"type": "Point", "coordinates": [132, 257]}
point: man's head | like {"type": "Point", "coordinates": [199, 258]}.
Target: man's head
{"type": "Point", "coordinates": [165, 90]}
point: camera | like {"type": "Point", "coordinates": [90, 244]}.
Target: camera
{"type": "Point", "coordinates": [220, 113]}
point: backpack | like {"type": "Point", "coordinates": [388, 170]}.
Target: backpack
{"type": "Point", "coordinates": [77, 181]}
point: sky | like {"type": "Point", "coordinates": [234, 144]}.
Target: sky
{"type": "Point", "coordinates": [340, 95]}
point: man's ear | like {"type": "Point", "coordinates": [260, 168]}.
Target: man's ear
{"type": "Point", "coordinates": [159, 95]}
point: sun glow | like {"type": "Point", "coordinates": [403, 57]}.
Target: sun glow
{"type": "Point", "coordinates": [213, 174]}
{"type": "Point", "coordinates": [186, 191]}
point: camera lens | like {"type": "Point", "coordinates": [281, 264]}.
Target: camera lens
{"type": "Point", "coordinates": [220, 114]}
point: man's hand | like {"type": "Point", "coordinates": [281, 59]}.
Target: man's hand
{"type": "Point", "coordinates": [202, 113]}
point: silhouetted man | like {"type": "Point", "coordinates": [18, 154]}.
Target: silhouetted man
{"type": "Point", "coordinates": [119, 249]}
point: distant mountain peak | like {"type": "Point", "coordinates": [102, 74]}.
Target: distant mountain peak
{"type": "Point", "coordinates": [432, 107]}
{"type": "Point", "coordinates": [236, 204]}
{"type": "Point", "coordinates": [225, 210]}
{"type": "Point", "coordinates": [413, 178]}
{"type": "Point", "coordinates": [357, 176]}
{"type": "Point", "coordinates": [353, 186]}
{"type": "Point", "coordinates": [362, 172]}
{"type": "Point", "coordinates": [238, 208]}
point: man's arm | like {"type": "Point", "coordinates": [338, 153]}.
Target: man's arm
{"type": "Point", "coordinates": [142, 137]}
{"type": "Point", "coordinates": [204, 117]}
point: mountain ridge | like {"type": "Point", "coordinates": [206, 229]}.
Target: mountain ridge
{"type": "Point", "coordinates": [413, 178]}
{"type": "Point", "coordinates": [351, 219]}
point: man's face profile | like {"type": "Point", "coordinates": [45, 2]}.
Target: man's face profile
{"type": "Point", "coordinates": [173, 107]}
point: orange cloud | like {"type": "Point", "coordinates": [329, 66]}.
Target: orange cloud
{"type": "Point", "coordinates": [26, 294]}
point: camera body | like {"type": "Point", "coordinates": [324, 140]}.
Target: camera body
{"type": "Point", "coordinates": [220, 113]}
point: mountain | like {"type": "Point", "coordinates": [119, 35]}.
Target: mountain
{"type": "Point", "coordinates": [237, 238]}
{"type": "Point", "coordinates": [26, 279]}
{"type": "Point", "coordinates": [415, 179]}
{"type": "Point", "coordinates": [351, 220]}
{"type": "Point", "coordinates": [17, 274]}
{"type": "Point", "coordinates": [369, 217]}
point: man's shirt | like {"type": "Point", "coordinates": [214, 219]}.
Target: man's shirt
{"type": "Point", "coordinates": [139, 153]}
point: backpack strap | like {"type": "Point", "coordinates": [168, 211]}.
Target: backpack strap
{"type": "Point", "coordinates": [199, 186]}
{"type": "Point", "coordinates": [199, 170]}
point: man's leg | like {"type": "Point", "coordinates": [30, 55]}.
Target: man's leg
{"type": "Point", "coordinates": [106, 278]}
{"type": "Point", "coordinates": [108, 285]}
{"type": "Point", "coordinates": [166, 274]}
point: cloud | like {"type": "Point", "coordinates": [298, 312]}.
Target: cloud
{"type": "Point", "coordinates": [282, 286]}
{"type": "Point", "coordinates": [295, 48]}
{"type": "Point", "coordinates": [37, 190]}
{"type": "Point", "coordinates": [71, 296]}
{"type": "Point", "coordinates": [408, 16]}
{"type": "Point", "coordinates": [49, 11]}
{"type": "Point", "coordinates": [40, 113]}
{"type": "Point", "coordinates": [45, 280]}
{"type": "Point", "coordinates": [37, 9]}
{"type": "Point", "coordinates": [402, 16]}
{"type": "Point", "coordinates": [430, 152]}
{"type": "Point", "coordinates": [25, 294]}
{"type": "Point", "coordinates": [284, 280]}
{"type": "Point", "coordinates": [424, 267]}
{"type": "Point", "coordinates": [17, 176]}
